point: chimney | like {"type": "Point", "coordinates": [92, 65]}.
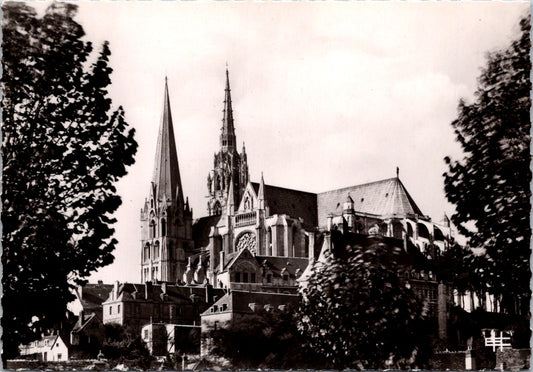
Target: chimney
{"type": "Point", "coordinates": [147, 290]}
{"type": "Point", "coordinates": [208, 293]}
{"type": "Point", "coordinates": [330, 222]}
{"type": "Point", "coordinates": [115, 289]}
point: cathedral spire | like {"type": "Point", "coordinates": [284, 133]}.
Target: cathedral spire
{"type": "Point", "coordinates": [166, 177]}
{"type": "Point", "coordinates": [227, 137]}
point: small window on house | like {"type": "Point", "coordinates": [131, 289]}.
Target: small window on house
{"type": "Point", "coordinates": [245, 277]}
{"type": "Point", "coordinates": [237, 277]}
{"type": "Point", "coordinates": [252, 278]}
{"type": "Point", "coordinates": [269, 278]}
{"type": "Point", "coordinates": [145, 334]}
{"type": "Point", "coordinates": [59, 356]}
{"type": "Point", "coordinates": [110, 310]}
{"type": "Point", "coordinates": [224, 307]}
{"type": "Point", "coordinates": [285, 277]}
{"type": "Point", "coordinates": [118, 309]}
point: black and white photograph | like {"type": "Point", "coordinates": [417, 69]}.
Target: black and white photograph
{"type": "Point", "coordinates": [266, 185]}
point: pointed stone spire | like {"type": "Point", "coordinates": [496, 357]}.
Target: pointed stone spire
{"type": "Point", "coordinates": [166, 177]}
{"type": "Point", "coordinates": [227, 137]}
{"type": "Point", "coordinates": [261, 193]}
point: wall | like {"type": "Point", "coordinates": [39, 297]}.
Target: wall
{"type": "Point", "coordinates": [513, 359]}
{"type": "Point", "coordinates": [448, 360]}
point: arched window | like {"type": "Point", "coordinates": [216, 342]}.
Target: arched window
{"type": "Point", "coordinates": [217, 209]}
{"type": "Point", "coordinates": [152, 229]}
{"type": "Point", "coordinates": [423, 231]}
{"type": "Point", "coordinates": [437, 233]}
{"type": "Point", "coordinates": [163, 227]}
{"type": "Point", "coordinates": [147, 252]}
{"type": "Point", "coordinates": [156, 251]}
{"type": "Point", "coordinates": [295, 244]}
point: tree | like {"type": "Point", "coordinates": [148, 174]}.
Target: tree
{"type": "Point", "coordinates": [63, 149]}
{"type": "Point", "coordinates": [357, 312]}
{"type": "Point", "coordinates": [264, 339]}
{"type": "Point", "coordinates": [490, 186]}
{"type": "Point", "coordinates": [125, 345]}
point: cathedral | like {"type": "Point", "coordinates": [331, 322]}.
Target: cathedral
{"type": "Point", "coordinates": [260, 237]}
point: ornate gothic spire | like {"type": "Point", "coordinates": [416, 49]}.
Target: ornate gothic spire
{"type": "Point", "coordinates": [261, 193]}
{"type": "Point", "coordinates": [227, 137]}
{"type": "Point", "coordinates": [166, 177]}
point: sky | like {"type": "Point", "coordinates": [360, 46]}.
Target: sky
{"type": "Point", "coordinates": [325, 94]}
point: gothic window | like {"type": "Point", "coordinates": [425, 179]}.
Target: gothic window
{"type": "Point", "coordinates": [295, 240]}
{"type": "Point", "coordinates": [170, 251]}
{"type": "Point", "coordinates": [147, 252]}
{"type": "Point", "coordinates": [237, 277]}
{"type": "Point", "coordinates": [152, 229]}
{"type": "Point", "coordinates": [217, 209]}
{"type": "Point", "coordinates": [246, 240]}
{"type": "Point", "coordinates": [423, 231]}
{"type": "Point", "coordinates": [269, 278]}
{"type": "Point", "coordinates": [217, 182]}
{"type": "Point", "coordinates": [252, 279]}
{"type": "Point", "coordinates": [155, 254]}
{"type": "Point", "coordinates": [163, 227]}
{"type": "Point", "coordinates": [245, 277]}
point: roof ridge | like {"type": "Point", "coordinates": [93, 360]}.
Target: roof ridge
{"type": "Point", "coordinates": [360, 185]}
{"type": "Point", "coordinates": [283, 188]}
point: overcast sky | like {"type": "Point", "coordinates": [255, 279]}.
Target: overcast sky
{"type": "Point", "coordinates": [325, 94]}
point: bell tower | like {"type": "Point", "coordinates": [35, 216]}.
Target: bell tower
{"type": "Point", "coordinates": [229, 167]}
{"type": "Point", "coordinates": [166, 218]}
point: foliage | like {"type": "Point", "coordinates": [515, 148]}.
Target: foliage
{"type": "Point", "coordinates": [490, 186]}
{"type": "Point", "coordinates": [63, 149]}
{"type": "Point", "coordinates": [264, 339]}
{"type": "Point", "coordinates": [357, 312]}
{"type": "Point", "coordinates": [124, 345]}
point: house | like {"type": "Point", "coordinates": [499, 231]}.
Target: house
{"type": "Point", "coordinates": [164, 339]}
{"type": "Point", "coordinates": [51, 348]}
{"type": "Point", "coordinates": [135, 305]}
{"type": "Point", "coordinates": [236, 304]}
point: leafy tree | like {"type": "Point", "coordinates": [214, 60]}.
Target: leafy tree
{"type": "Point", "coordinates": [490, 186]}
{"type": "Point", "coordinates": [124, 345]}
{"type": "Point", "coordinates": [357, 312]}
{"type": "Point", "coordinates": [63, 149]}
{"type": "Point", "coordinates": [264, 339]}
